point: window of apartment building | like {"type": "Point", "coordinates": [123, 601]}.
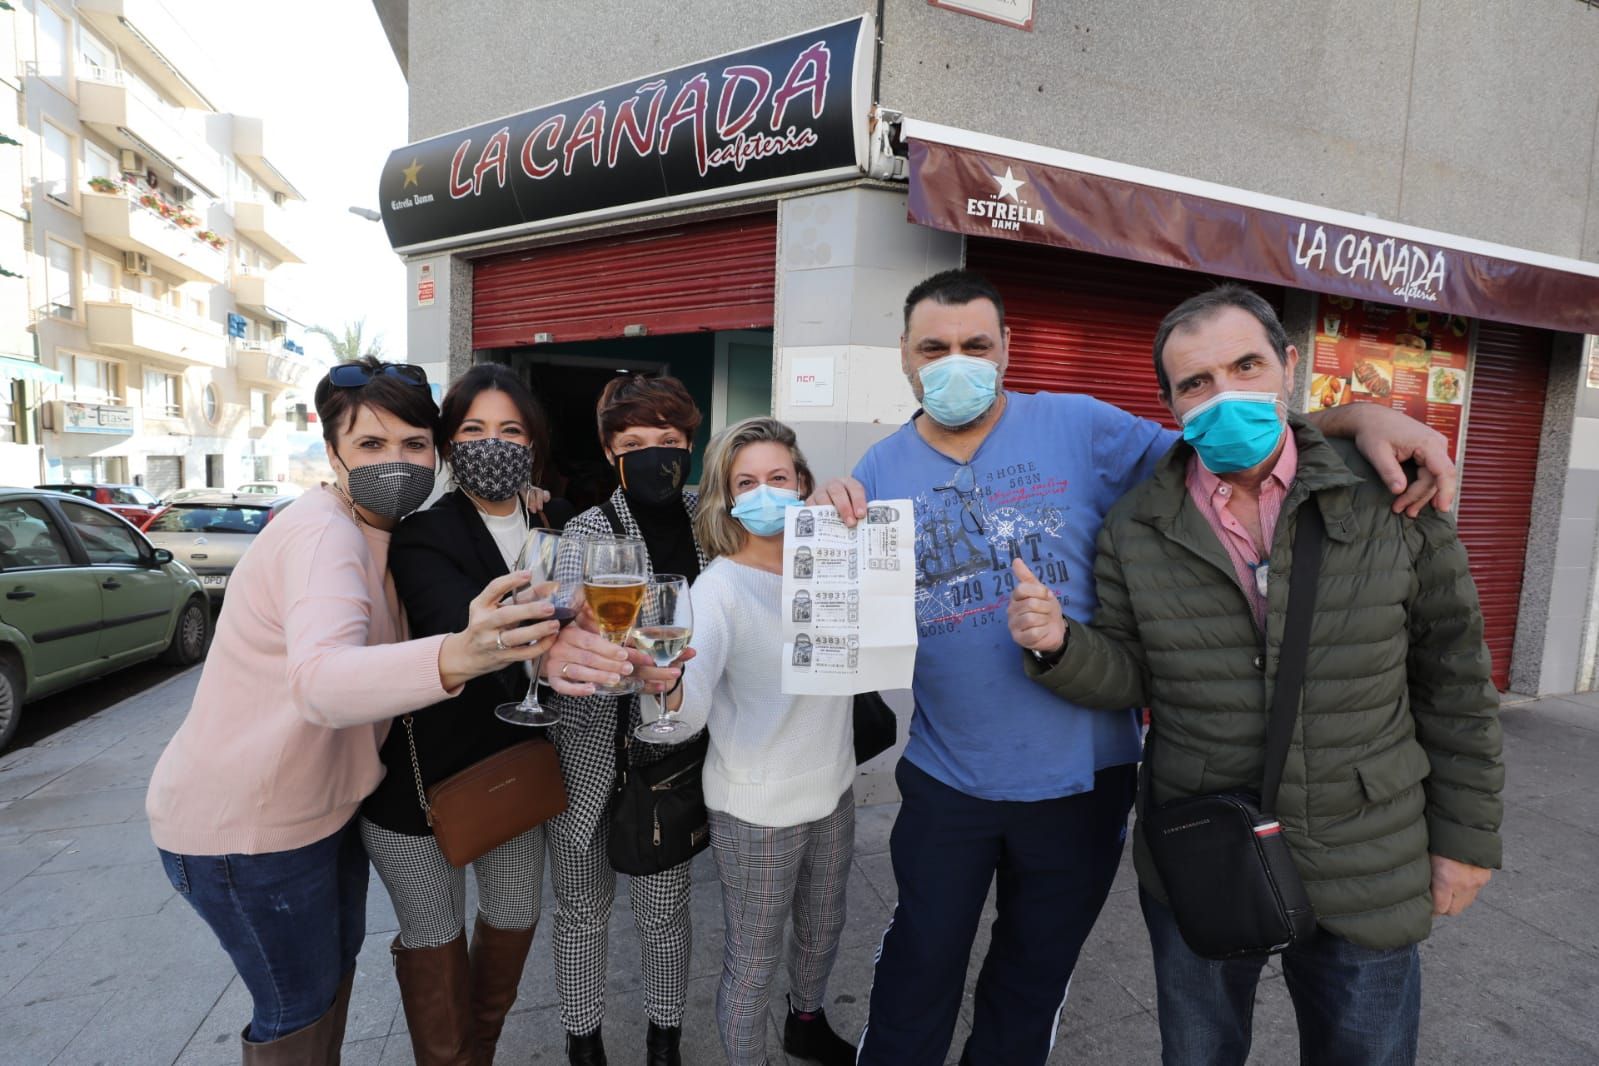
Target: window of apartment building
{"type": "Point", "coordinates": [91, 380]}
{"type": "Point", "coordinates": [61, 278]}
{"type": "Point", "coordinates": [162, 394]}
{"type": "Point", "coordinates": [95, 53]}
{"type": "Point", "coordinates": [260, 408]}
{"type": "Point", "coordinates": [197, 306]}
{"type": "Point", "coordinates": [211, 407]}
{"type": "Point", "coordinates": [97, 163]}
{"type": "Point", "coordinates": [57, 162]}
{"type": "Point", "coordinates": [102, 279]}
{"type": "Point", "coordinates": [52, 41]}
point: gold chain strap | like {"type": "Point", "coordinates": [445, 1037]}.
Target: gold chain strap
{"type": "Point", "coordinates": [416, 772]}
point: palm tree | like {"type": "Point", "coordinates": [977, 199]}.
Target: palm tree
{"type": "Point", "coordinates": [352, 345]}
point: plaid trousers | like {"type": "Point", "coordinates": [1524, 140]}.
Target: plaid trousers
{"type": "Point", "coordinates": [768, 874]}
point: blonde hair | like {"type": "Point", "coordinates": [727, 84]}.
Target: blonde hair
{"type": "Point", "coordinates": [718, 532]}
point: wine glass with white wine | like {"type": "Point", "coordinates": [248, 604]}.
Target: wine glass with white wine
{"type": "Point", "coordinates": [539, 555]}
{"type": "Point", "coordinates": [665, 626]}
{"type": "Point", "coordinates": [614, 580]}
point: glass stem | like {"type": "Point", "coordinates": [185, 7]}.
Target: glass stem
{"type": "Point", "coordinates": [531, 700]}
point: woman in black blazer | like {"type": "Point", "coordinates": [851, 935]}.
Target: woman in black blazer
{"type": "Point", "coordinates": [456, 1002]}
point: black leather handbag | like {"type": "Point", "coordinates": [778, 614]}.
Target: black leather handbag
{"type": "Point", "coordinates": [876, 728]}
{"type": "Point", "coordinates": [657, 817]}
{"type": "Point", "coordinates": [1228, 873]}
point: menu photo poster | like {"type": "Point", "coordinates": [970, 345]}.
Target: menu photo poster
{"type": "Point", "coordinates": [1412, 359]}
{"type": "Point", "coordinates": [849, 600]}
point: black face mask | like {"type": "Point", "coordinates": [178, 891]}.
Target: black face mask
{"type": "Point", "coordinates": [653, 476]}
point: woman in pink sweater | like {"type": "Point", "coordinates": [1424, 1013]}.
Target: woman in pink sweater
{"type": "Point", "coordinates": [253, 803]}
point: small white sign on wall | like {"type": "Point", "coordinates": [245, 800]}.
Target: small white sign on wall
{"type": "Point", "coordinates": [1017, 13]}
{"type": "Point", "coordinates": [811, 381]}
{"type": "Point", "coordinates": [426, 287]}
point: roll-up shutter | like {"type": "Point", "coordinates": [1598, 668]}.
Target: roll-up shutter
{"type": "Point", "coordinates": [1504, 425]}
{"type": "Point", "coordinates": [1086, 323]}
{"type": "Point", "coordinates": [682, 279]}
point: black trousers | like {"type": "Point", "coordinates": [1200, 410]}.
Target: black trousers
{"type": "Point", "coordinates": [1054, 860]}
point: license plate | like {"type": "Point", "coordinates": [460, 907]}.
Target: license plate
{"type": "Point", "coordinates": [214, 581]}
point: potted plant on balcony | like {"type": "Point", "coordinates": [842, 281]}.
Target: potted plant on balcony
{"type": "Point", "coordinates": [104, 185]}
{"type": "Point", "coordinates": [186, 219]}
{"type": "Point", "coordinates": [212, 238]}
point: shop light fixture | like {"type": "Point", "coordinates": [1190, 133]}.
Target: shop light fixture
{"type": "Point", "coordinates": [635, 330]}
{"type": "Point", "coordinates": [543, 338]}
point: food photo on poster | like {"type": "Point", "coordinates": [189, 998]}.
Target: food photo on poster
{"type": "Point", "coordinates": [1412, 359]}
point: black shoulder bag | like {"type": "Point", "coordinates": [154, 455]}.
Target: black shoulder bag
{"type": "Point", "coordinates": [1226, 868]}
{"type": "Point", "coordinates": [657, 817]}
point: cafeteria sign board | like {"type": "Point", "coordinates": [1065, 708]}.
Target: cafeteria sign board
{"type": "Point", "coordinates": [783, 114]}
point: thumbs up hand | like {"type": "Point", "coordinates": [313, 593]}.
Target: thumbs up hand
{"type": "Point", "coordinates": [1034, 613]}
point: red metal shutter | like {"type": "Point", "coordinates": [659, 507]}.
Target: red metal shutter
{"type": "Point", "coordinates": [682, 279]}
{"type": "Point", "coordinates": [1503, 428]}
{"type": "Point", "coordinates": [1086, 323]}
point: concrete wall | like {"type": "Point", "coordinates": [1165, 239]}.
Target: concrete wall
{"type": "Point", "coordinates": [1425, 111]}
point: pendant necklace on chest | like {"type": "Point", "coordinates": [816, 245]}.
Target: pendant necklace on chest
{"type": "Point", "coordinates": [1260, 569]}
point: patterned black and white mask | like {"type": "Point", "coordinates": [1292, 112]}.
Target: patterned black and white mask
{"type": "Point", "coordinates": [392, 490]}
{"type": "Point", "coordinates": [492, 468]}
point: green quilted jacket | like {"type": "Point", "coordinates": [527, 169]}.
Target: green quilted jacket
{"type": "Point", "coordinates": [1396, 750]}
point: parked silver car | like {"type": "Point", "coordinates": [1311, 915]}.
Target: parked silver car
{"type": "Point", "coordinates": [210, 533]}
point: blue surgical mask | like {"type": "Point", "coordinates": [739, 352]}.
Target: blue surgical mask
{"type": "Point", "coordinates": [957, 390]}
{"type": "Point", "coordinates": [760, 510]}
{"type": "Point", "coordinates": [1234, 431]}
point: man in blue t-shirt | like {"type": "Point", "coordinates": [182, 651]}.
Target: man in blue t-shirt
{"type": "Point", "coordinates": [999, 775]}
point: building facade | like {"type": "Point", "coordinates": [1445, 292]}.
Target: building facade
{"type": "Point", "coordinates": [166, 347]}
{"type": "Point", "coordinates": [743, 193]}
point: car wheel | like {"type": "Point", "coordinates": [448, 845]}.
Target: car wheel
{"type": "Point", "coordinates": [192, 636]}
{"type": "Point", "coordinates": [10, 701]}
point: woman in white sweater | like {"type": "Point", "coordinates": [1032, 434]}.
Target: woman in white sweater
{"type": "Point", "coordinates": [780, 772]}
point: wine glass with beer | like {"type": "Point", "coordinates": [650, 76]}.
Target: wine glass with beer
{"type": "Point", "coordinates": [541, 556]}
{"type": "Point", "coordinates": [665, 625]}
{"type": "Point", "coordinates": [614, 580]}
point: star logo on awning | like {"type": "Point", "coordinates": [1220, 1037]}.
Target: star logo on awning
{"type": "Point", "coordinates": [1009, 185]}
{"type": "Point", "coordinates": [410, 173]}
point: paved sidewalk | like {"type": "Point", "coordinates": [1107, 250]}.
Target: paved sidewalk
{"type": "Point", "coordinates": [100, 962]}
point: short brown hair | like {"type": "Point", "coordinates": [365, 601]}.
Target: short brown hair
{"type": "Point", "coordinates": [412, 404]}
{"type": "Point", "coordinates": [717, 531]}
{"type": "Point", "coordinates": [465, 389]}
{"type": "Point", "coordinates": [645, 400]}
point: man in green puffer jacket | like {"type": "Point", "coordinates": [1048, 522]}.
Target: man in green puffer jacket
{"type": "Point", "coordinates": [1390, 800]}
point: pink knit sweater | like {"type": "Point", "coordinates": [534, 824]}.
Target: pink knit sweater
{"type": "Point", "coordinates": [309, 664]}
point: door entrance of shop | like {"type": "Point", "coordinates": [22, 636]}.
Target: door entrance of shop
{"type": "Point", "coordinates": [729, 374]}
{"type": "Point", "coordinates": [163, 474]}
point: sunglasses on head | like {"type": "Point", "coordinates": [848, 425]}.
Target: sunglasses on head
{"type": "Point", "coordinates": [355, 375]}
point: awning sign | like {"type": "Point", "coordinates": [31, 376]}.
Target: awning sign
{"type": "Point", "coordinates": [983, 194]}
{"type": "Point", "coordinates": [782, 114]}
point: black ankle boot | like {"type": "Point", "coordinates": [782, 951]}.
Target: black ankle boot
{"type": "Point", "coordinates": [585, 1050]}
{"type": "Point", "coordinates": [809, 1037]}
{"type": "Point", "coordinates": [660, 1046]}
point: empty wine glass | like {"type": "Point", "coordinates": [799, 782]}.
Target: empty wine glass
{"type": "Point", "coordinates": [541, 553]}
{"type": "Point", "coordinates": [665, 626]}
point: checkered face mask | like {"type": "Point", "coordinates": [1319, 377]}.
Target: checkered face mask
{"type": "Point", "coordinates": [491, 468]}
{"type": "Point", "coordinates": [392, 490]}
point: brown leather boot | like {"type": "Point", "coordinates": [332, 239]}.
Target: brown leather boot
{"type": "Point", "coordinates": [436, 991]}
{"type": "Point", "coordinates": [316, 1045]}
{"type": "Point", "coordinates": [497, 959]}
{"type": "Point", "coordinates": [341, 1015]}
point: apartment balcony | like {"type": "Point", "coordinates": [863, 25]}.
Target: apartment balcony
{"type": "Point", "coordinates": [269, 226]}
{"type": "Point", "coordinates": [261, 293]}
{"type": "Point", "coordinates": [143, 327]}
{"type": "Point", "coordinates": [147, 33]}
{"type": "Point", "coordinates": [120, 220]}
{"type": "Point", "coordinates": [130, 116]}
{"type": "Point", "coordinates": [250, 144]}
{"type": "Point", "coordinates": [270, 363]}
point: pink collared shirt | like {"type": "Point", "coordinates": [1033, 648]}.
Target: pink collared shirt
{"type": "Point", "coordinates": [1212, 496]}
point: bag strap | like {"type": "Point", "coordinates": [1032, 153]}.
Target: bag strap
{"type": "Point", "coordinates": [416, 772]}
{"type": "Point", "coordinates": [1285, 697]}
{"type": "Point", "coordinates": [608, 509]}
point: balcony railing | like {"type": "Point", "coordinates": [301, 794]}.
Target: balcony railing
{"type": "Point", "coordinates": [126, 111]}
{"type": "Point", "coordinates": [270, 226]}
{"type": "Point", "coordinates": [270, 363]}
{"type": "Point", "coordinates": [171, 236]}
{"type": "Point", "coordinates": [132, 322]}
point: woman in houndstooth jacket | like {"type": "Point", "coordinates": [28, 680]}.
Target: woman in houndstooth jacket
{"type": "Point", "coordinates": [646, 426]}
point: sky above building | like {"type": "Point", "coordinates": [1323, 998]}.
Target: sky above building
{"type": "Point", "coordinates": [321, 75]}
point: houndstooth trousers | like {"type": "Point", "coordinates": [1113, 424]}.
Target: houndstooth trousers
{"type": "Point", "coordinates": [767, 875]}
{"type": "Point", "coordinates": [430, 895]}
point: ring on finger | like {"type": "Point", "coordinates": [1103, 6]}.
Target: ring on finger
{"type": "Point", "coordinates": [499, 640]}
{"type": "Point", "coordinates": [564, 668]}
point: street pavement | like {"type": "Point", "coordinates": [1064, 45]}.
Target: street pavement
{"type": "Point", "coordinates": [102, 963]}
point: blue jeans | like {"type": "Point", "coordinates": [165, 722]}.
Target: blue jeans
{"type": "Point", "coordinates": [1054, 861]}
{"type": "Point", "coordinates": [1356, 1006]}
{"type": "Point", "coordinates": [291, 921]}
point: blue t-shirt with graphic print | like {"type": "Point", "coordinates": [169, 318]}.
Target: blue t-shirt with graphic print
{"type": "Point", "coordinates": [1038, 487]}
